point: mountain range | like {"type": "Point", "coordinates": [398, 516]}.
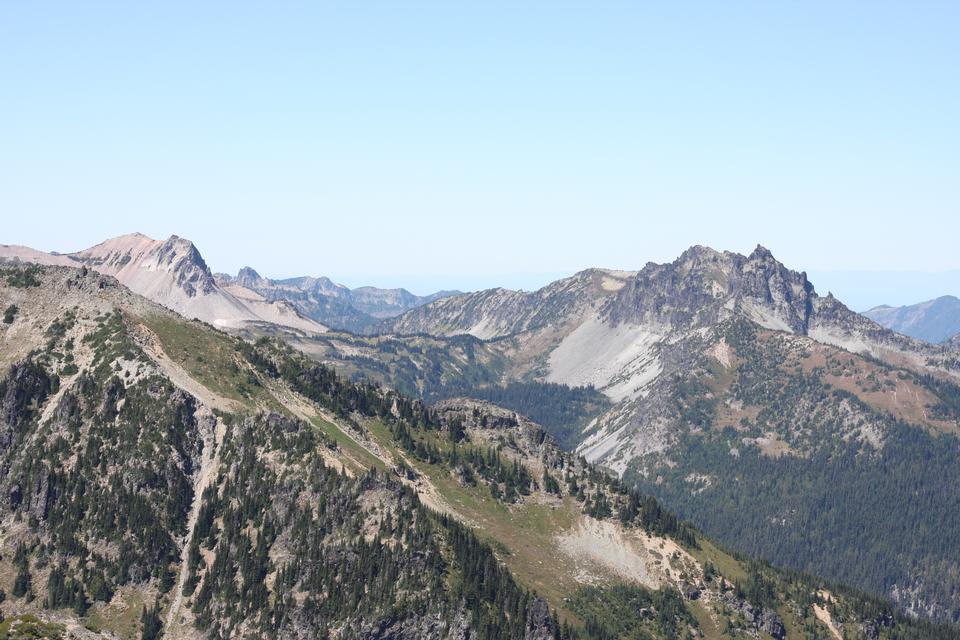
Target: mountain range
{"type": "Point", "coordinates": [935, 321]}
{"type": "Point", "coordinates": [173, 273]}
{"type": "Point", "coordinates": [334, 305]}
{"type": "Point", "coordinates": [718, 372]}
{"type": "Point", "coordinates": [468, 455]}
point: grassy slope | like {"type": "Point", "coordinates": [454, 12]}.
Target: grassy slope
{"type": "Point", "coordinates": [523, 535]}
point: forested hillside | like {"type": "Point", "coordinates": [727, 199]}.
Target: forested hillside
{"type": "Point", "coordinates": [775, 418]}
{"type": "Point", "coordinates": [795, 447]}
{"type": "Point", "coordinates": [162, 479]}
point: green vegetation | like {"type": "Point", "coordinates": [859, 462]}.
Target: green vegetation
{"type": "Point", "coordinates": [132, 451]}
{"type": "Point", "coordinates": [418, 430]}
{"type": "Point", "coordinates": [561, 410]}
{"type": "Point", "coordinates": [286, 545]}
{"type": "Point", "coordinates": [150, 623]}
{"type": "Point", "coordinates": [9, 314]}
{"type": "Point", "coordinates": [384, 563]}
{"type": "Point", "coordinates": [28, 627]}
{"type": "Point", "coordinates": [22, 277]}
{"type": "Point", "coordinates": [631, 612]}
{"type": "Point", "coordinates": [829, 510]}
{"type": "Point", "coordinates": [437, 368]}
{"type": "Point", "coordinates": [416, 366]}
{"type": "Point", "coordinates": [211, 358]}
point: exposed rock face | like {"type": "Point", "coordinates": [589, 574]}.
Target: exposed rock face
{"type": "Point", "coordinates": [248, 278]}
{"type": "Point", "coordinates": [41, 494]}
{"type": "Point", "coordinates": [489, 419]}
{"type": "Point", "coordinates": [279, 532]}
{"type": "Point", "coordinates": [700, 288]}
{"type": "Point", "coordinates": [704, 286]}
{"type": "Point", "coordinates": [806, 374]}
{"type": "Point", "coordinates": [765, 620]}
{"type": "Point", "coordinates": [621, 331]}
{"type": "Point", "coordinates": [415, 627]}
{"type": "Point", "coordinates": [181, 257]}
{"type": "Point", "coordinates": [539, 622]}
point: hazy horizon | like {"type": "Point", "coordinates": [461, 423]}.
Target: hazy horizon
{"type": "Point", "coordinates": [499, 144]}
{"type": "Point", "coordinates": [859, 290]}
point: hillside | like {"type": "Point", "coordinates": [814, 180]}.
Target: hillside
{"type": "Point", "coordinates": [691, 419]}
{"type": "Point", "coordinates": [171, 273]}
{"type": "Point", "coordinates": [933, 321]}
{"type": "Point", "coordinates": [159, 476]}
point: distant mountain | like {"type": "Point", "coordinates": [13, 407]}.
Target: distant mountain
{"type": "Point", "coordinates": [934, 320]}
{"type": "Point", "coordinates": [172, 273]}
{"type": "Point", "coordinates": [334, 305]}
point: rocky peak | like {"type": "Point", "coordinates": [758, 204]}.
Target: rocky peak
{"type": "Point", "coordinates": [181, 257]}
{"type": "Point", "coordinates": [698, 256]}
{"type": "Point", "coordinates": [248, 277]}
{"type": "Point", "coordinates": [703, 286]}
{"type": "Point", "coordinates": [761, 253]}
{"type": "Point", "coordinates": [769, 286]}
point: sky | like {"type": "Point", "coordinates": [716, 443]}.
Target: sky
{"type": "Point", "coordinates": [466, 145]}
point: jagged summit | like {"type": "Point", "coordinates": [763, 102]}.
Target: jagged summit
{"type": "Point", "coordinates": [620, 331]}
{"type": "Point", "coordinates": [248, 277]}
{"type": "Point", "coordinates": [761, 253]}
{"type": "Point", "coordinates": [704, 285]}
{"type": "Point", "coordinates": [494, 313]}
{"type": "Point", "coordinates": [701, 286]}
{"type": "Point", "coordinates": [173, 273]}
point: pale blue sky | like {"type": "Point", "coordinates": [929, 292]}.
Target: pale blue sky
{"type": "Point", "coordinates": [441, 145]}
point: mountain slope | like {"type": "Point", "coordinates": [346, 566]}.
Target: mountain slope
{"type": "Point", "coordinates": [615, 331]}
{"type": "Point", "coordinates": [356, 310]}
{"type": "Point", "coordinates": [172, 273]}
{"type": "Point", "coordinates": [496, 313]}
{"type": "Point", "coordinates": [717, 358]}
{"type": "Point", "coordinates": [158, 475]}
{"type": "Point", "coordinates": [934, 320]}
